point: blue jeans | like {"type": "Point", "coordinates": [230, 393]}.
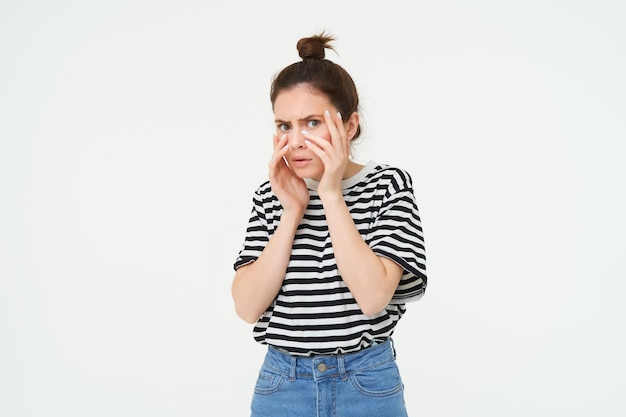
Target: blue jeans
{"type": "Point", "coordinates": [364, 383]}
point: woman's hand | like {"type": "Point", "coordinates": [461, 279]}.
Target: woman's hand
{"type": "Point", "coordinates": [291, 190]}
{"type": "Point", "coordinates": [334, 154]}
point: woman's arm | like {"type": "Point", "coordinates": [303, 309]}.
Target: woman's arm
{"type": "Point", "coordinates": [372, 279]}
{"type": "Point", "coordinates": [255, 285]}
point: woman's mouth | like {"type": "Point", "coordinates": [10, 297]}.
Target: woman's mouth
{"type": "Point", "coordinates": [300, 162]}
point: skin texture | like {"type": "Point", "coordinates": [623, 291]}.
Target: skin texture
{"type": "Point", "coordinates": [312, 140]}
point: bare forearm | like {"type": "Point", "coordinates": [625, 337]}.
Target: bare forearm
{"type": "Point", "coordinates": [372, 280]}
{"type": "Point", "coordinates": [255, 285]}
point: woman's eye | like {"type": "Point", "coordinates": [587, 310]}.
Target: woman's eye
{"type": "Point", "coordinates": [313, 123]}
{"type": "Point", "coordinates": [283, 128]}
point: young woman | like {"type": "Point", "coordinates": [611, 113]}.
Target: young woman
{"type": "Point", "coordinates": [333, 251]}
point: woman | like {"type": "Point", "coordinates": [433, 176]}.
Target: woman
{"type": "Point", "coordinates": [332, 253]}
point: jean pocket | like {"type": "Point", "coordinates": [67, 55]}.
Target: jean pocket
{"type": "Point", "coordinates": [268, 382]}
{"type": "Point", "coordinates": [381, 381]}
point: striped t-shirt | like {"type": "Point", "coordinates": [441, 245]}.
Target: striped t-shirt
{"type": "Point", "coordinates": [314, 312]}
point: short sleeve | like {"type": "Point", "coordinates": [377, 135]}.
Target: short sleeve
{"type": "Point", "coordinates": [256, 236]}
{"type": "Point", "coordinates": [397, 234]}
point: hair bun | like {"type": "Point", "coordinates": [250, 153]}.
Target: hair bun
{"type": "Point", "coordinates": [315, 46]}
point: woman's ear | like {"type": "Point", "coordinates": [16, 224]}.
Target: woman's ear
{"type": "Point", "coordinates": [352, 124]}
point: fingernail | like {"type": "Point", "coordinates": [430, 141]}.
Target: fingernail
{"type": "Point", "coordinates": [285, 147]}
{"type": "Point", "coordinates": [339, 115]}
{"type": "Point", "coordinates": [307, 142]}
{"type": "Point", "coordinates": [304, 132]}
{"type": "Point", "coordinates": [327, 113]}
{"type": "Point", "coordinates": [283, 136]}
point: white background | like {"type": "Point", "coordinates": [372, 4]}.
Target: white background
{"type": "Point", "coordinates": [133, 133]}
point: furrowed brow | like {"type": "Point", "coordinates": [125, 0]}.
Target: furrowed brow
{"type": "Point", "coordinates": [309, 117]}
{"type": "Point", "coordinates": [302, 119]}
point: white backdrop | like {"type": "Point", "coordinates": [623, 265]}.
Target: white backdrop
{"type": "Point", "coordinates": [133, 133]}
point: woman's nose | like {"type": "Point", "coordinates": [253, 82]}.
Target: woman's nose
{"type": "Point", "coordinates": [295, 139]}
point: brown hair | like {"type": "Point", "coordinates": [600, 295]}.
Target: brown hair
{"type": "Point", "coordinates": [321, 74]}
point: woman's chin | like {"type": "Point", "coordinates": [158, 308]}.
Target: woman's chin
{"type": "Point", "coordinates": [307, 173]}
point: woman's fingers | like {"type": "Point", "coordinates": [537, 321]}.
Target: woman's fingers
{"type": "Point", "coordinates": [337, 131]}
{"type": "Point", "coordinates": [337, 147]}
{"type": "Point", "coordinates": [280, 148]}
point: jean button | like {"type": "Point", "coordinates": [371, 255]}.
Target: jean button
{"type": "Point", "coordinates": [321, 367]}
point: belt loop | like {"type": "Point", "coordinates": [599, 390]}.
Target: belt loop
{"type": "Point", "coordinates": [292, 368]}
{"type": "Point", "coordinates": [341, 365]}
{"type": "Point", "coordinates": [393, 347]}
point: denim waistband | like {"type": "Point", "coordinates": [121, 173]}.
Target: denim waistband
{"type": "Point", "coordinates": [328, 366]}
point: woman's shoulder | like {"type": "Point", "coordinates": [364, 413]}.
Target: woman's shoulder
{"type": "Point", "coordinates": [395, 176]}
{"type": "Point", "coordinates": [264, 193]}
{"type": "Point", "coordinates": [264, 187]}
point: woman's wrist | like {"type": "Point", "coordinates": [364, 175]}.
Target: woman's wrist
{"type": "Point", "coordinates": [292, 217]}
{"type": "Point", "coordinates": [331, 196]}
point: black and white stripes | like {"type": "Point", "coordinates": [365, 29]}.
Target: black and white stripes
{"type": "Point", "coordinates": [314, 312]}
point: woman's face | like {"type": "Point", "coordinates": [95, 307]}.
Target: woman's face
{"type": "Point", "coordinates": [297, 109]}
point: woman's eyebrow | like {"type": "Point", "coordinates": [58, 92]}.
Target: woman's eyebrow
{"type": "Point", "coordinates": [302, 119]}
